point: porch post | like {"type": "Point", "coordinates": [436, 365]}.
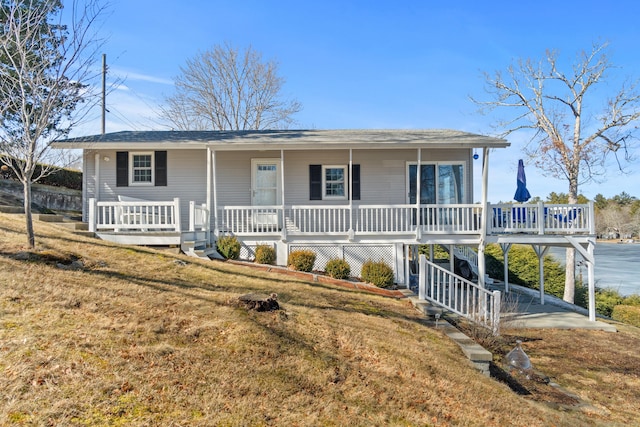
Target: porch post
{"type": "Point", "coordinates": [97, 177]}
{"type": "Point", "coordinates": [215, 192]}
{"type": "Point", "coordinates": [482, 269]}
{"type": "Point", "coordinates": [351, 234]}
{"type": "Point", "coordinates": [591, 277]}
{"type": "Point", "coordinates": [407, 272]}
{"type": "Point", "coordinates": [418, 179]}
{"type": "Point", "coordinates": [92, 215]}
{"type": "Point", "coordinates": [284, 223]}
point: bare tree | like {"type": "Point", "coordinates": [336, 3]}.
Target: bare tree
{"type": "Point", "coordinates": [44, 67]}
{"type": "Point", "coordinates": [224, 89]}
{"type": "Point", "coordinates": [572, 134]}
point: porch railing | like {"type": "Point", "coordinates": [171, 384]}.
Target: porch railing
{"type": "Point", "coordinates": [459, 295]}
{"type": "Point", "coordinates": [139, 215]}
{"type": "Point", "coordinates": [199, 219]}
{"type": "Point", "coordinates": [403, 219]}
{"type": "Point", "coordinates": [541, 218]}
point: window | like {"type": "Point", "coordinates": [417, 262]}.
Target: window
{"type": "Point", "coordinates": [141, 168]}
{"type": "Point", "coordinates": [440, 183]}
{"type": "Point", "coordinates": [330, 182]}
{"type": "Point", "coordinates": [334, 182]}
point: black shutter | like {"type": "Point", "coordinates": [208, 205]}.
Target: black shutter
{"type": "Point", "coordinates": [122, 169]}
{"type": "Point", "coordinates": [355, 182]}
{"type": "Point", "coordinates": [161, 168]}
{"type": "Point", "coordinates": [315, 182]}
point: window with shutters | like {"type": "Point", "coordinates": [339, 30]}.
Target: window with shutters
{"type": "Point", "coordinates": [141, 172]}
{"type": "Point", "coordinates": [331, 182]}
{"type": "Point", "coordinates": [334, 182]}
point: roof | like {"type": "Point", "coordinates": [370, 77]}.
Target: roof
{"type": "Point", "coordinates": [283, 139]}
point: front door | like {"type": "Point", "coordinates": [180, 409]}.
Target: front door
{"type": "Point", "coordinates": [266, 190]}
{"type": "Point", "coordinates": [265, 182]}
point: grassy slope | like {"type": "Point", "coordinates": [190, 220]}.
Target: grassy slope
{"type": "Point", "coordinates": [136, 338]}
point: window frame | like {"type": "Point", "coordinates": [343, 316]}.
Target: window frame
{"type": "Point", "coordinates": [345, 183]}
{"type": "Point", "coordinates": [132, 181]}
{"type": "Point", "coordinates": [437, 165]}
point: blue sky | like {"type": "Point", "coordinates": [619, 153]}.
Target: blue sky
{"type": "Point", "coordinates": [370, 64]}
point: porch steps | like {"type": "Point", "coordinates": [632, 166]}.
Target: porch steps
{"type": "Point", "coordinates": [199, 249]}
{"type": "Point", "coordinates": [12, 209]}
{"type": "Point", "coordinates": [479, 357]}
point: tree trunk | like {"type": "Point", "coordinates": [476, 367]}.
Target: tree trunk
{"type": "Point", "coordinates": [570, 276]}
{"type": "Point", "coordinates": [570, 259]}
{"type": "Point", "coordinates": [31, 239]}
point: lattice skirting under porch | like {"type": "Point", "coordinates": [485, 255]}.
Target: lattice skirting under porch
{"type": "Point", "coordinates": [354, 254]}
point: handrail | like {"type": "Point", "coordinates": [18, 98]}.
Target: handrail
{"type": "Point", "coordinates": [139, 215]}
{"type": "Point", "coordinates": [459, 295]}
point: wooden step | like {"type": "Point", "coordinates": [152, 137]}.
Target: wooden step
{"type": "Point", "coordinates": [12, 209]}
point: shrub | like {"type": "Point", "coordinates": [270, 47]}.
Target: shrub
{"type": "Point", "coordinates": [301, 260]}
{"type": "Point", "coordinates": [606, 300]}
{"type": "Point", "coordinates": [629, 314]}
{"type": "Point", "coordinates": [265, 254]}
{"type": "Point", "coordinates": [229, 247]}
{"type": "Point", "coordinates": [378, 273]}
{"type": "Point", "coordinates": [338, 268]}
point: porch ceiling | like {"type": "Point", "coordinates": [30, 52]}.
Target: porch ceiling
{"type": "Point", "coordinates": [285, 139]}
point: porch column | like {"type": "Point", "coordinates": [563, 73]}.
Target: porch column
{"type": "Point", "coordinates": [284, 222]}
{"type": "Point", "coordinates": [482, 269]}
{"type": "Point", "coordinates": [213, 182]}
{"type": "Point", "coordinates": [418, 179]}
{"type": "Point", "coordinates": [97, 177]}
{"type": "Point", "coordinates": [351, 233]}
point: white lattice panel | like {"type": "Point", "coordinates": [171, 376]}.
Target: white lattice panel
{"type": "Point", "coordinates": [355, 255]}
{"type": "Point", "coordinates": [358, 255]}
{"type": "Point", "coordinates": [323, 253]}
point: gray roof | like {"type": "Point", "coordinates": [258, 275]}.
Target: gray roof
{"type": "Point", "coordinates": [277, 139]}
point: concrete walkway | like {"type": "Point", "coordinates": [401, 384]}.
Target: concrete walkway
{"type": "Point", "coordinates": [522, 309]}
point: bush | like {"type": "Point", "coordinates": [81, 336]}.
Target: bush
{"type": "Point", "coordinates": [265, 254]}
{"type": "Point", "coordinates": [301, 260]}
{"type": "Point", "coordinates": [338, 268]}
{"type": "Point", "coordinates": [606, 300]}
{"type": "Point", "coordinates": [378, 273]}
{"type": "Point", "coordinates": [229, 247]}
{"type": "Point", "coordinates": [629, 314]}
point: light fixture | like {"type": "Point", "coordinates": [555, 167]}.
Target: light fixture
{"type": "Point", "coordinates": [106, 158]}
{"type": "Point", "coordinates": [475, 154]}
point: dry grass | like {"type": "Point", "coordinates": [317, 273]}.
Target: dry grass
{"type": "Point", "coordinates": [139, 337]}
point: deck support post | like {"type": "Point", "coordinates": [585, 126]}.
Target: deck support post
{"type": "Point", "coordinates": [591, 277]}
{"type": "Point", "coordinates": [505, 253]}
{"type": "Point", "coordinates": [541, 251]}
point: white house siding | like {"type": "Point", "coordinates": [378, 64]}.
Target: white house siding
{"type": "Point", "coordinates": [186, 179]}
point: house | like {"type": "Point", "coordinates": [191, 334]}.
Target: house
{"type": "Point", "coordinates": [351, 194]}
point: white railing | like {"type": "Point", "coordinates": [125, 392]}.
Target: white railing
{"type": "Point", "coordinates": [245, 220]}
{"type": "Point", "coordinates": [318, 219]}
{"type": "Point", "coordinates": [198, 217]}
{"type": "Point", "coordinates": [450, 218]}
{"type": "Point", "coordinates": [459, 295]}
{"type": "Point", "coordinates": [381, 219]}
{"type": "Point", "coordinates": [138, 215]}
{"type": "Point", "coordinates": [541, 218]}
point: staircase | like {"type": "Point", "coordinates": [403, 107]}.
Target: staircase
{"type": "Point", "coordinates": [196, 244]}
{"type": "Point", "coordinates": [77, 227]}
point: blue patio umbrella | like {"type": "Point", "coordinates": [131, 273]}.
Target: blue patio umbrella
{"type": "Point", "coordinates": [522, 194]}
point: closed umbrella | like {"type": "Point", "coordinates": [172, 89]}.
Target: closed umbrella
{"type": "Point", "coordinates": [522, 194]}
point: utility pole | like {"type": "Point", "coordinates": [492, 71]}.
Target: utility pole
{"type": "Point", "coordinates": [104, 90]}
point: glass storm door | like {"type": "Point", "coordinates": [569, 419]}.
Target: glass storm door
{"type": "Point", "coordinates": [265, 182]}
